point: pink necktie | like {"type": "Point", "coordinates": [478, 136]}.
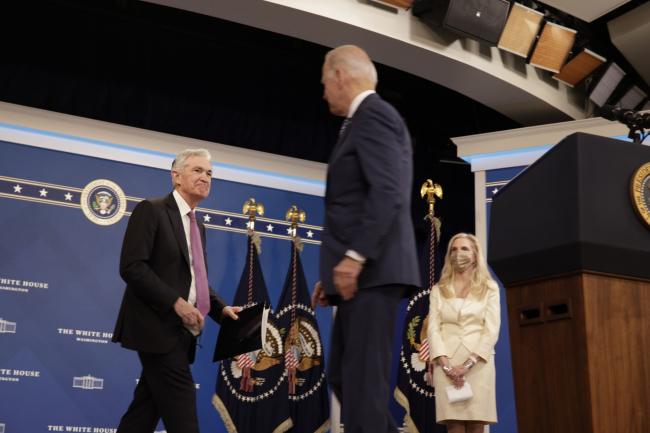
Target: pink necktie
{"type": "Point", "coordinates": [198, 263]}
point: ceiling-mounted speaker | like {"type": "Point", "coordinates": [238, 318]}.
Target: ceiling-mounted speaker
{"type": "Point", "coordinates": [521, 30]}
{"type": "Point", "coordinates": [482, 20]}
{"type": "Point", "coordinates": [610, 79]}
{"type": "Point", "coordinates": [553, 47]}
{"type": "Point", "coordinates": [431, 12]}
{"type": "Point", "coordinates": [580, 67]}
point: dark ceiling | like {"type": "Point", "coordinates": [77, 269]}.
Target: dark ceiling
{"type": "Point", "coordinates": [167, 70]}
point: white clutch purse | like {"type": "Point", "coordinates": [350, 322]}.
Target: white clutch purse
{"type": "Point", "coordinates": [454, 395]}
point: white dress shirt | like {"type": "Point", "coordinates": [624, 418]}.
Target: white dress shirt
{"type": "Point", "coordinates": [185, 209]}
{"type": "Point", "coordinates": [357, 101]}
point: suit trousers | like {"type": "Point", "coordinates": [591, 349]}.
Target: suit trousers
{"type": "Point", "coordinates": [165, 390]}
{"type": "Point", "coordinates": [360, 358]}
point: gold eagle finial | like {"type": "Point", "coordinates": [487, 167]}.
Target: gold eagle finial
{"type": "Point", "coordinates": [295, 216]}
{"type": "Point", "coordinates": [430, 191]}
{"type": "Point", "coordinates": [253, 209]}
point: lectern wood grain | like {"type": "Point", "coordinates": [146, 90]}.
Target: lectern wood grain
{"type": "Point", "coordinates": [587, 371]}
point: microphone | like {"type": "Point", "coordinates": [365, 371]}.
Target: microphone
{"type": "Point", "coordinates": [633, 119]}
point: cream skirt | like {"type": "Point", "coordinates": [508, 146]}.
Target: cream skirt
{"type": "Point", "coordinates": [482, 407]}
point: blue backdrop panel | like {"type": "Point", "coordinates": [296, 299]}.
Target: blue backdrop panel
{"type": "Point", "coordinates": [60, 289]}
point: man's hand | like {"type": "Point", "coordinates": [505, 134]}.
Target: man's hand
{"type": "Point", "coordinates": [190, 315]}
{"type": "Point", "coordinates": [230, 311]}
{"type": "Point", "coordinates": [319, 297]}
{"type": "Point", "coordinates": [346, 275]}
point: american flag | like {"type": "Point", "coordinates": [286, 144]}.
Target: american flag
{"type": "Point", "coordinates": [245, 361]}
{"type": "Point", "coordinates": [290, 360]}
{"type": "Point", "coordinates": [424, 350]}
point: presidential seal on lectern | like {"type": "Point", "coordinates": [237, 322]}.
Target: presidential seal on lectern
{"type": "Point", "coordinates": [640, 192]}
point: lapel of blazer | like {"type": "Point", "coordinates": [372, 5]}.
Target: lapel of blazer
{"type": "Point", "coordinates": [177, 226]}
{"type": "Point", "coordinates": [340, 143]}
{"type": "Point", "coordinates": [203, 240]}
{"type": "Point", "coordinates": [452, 304]}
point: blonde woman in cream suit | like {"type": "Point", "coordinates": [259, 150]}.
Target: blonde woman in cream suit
{"type": "Point", "coordinates": [464, 320]}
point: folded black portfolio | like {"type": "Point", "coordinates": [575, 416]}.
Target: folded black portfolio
{"type": "Point", "coordinates": [240, 336]}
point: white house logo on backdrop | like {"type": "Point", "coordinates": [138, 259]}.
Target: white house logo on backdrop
{"type": "Point", "coordinates": [7, 327]}
{"type": "Point", "coordinates": [80, 429]}
{"type": "Point", "coordinates": [88, 382]}
{"type": "Point", "coordinates": [86, 336]}
{"type": "Point", "coordinates": [103, 202]}
{"type": "Point", "coordinates": [2, 428]}
{"type": "Point", "coordinates": [14, 375]}
{"type": "Point", "coordinates": [23, 286]}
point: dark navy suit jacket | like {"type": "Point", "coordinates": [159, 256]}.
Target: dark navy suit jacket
{"type": "Point", "coordinates": [368, 199]}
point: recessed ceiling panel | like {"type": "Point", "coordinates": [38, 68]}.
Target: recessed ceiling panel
{"type": "Point", "coordinates": [586, 10]}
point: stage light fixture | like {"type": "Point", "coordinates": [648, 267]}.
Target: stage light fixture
{"type": "Point", "coordinates": [607, 84]}
{"type": "Point", "coordinates": [633, 97]}
{"type": "Point", "coordinates": [404, 4]}
{"type": "Point", "coordinates": [521, 30]}
{"type": "Point", "coordinates": [579, 68]}
{"type": "Point", "coordinates": [553, 47]}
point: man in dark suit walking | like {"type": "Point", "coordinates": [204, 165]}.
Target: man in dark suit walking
{"type": "Point", "coordinates": [167, 296]}
{"type": "Point", "coordinates": [368, 257]}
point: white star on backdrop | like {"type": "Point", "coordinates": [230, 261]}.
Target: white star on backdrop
{"type": "Point", "coordinates": [228, 221]}
{"type": "Point", "coordinates": [68, 196]}
{"type": "Point", "coordinates": [289, 231]}
{"type": "Point", "coordinates": [18, 189]}
{"type": "Point", "coordinates": [495, 190]}
{"type": "Point", "coordinates": [43, 192]}
{"type": "Point", "coordinates": [250, 225]}
{"type": "Point", "coordinates": [269, 228]}
{"type": "Point", "coordinates": [310, 234]}
{"type": "Point", "coordinates": [206, 218]}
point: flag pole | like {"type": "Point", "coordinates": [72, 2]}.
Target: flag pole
{"type": "Point", "coordinates": [291, 358]}
{"type": "Point", "coordinates": [429, 191]}
{"type": "Point", "coordinates": [251, 208]}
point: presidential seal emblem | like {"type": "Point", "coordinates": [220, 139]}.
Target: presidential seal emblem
{"type": "Point", "coordinates": [103, 202]}
{"type": "Point", "coordinates": [256, 375]}
{"type": "Point", "coordinates": [640, 192]}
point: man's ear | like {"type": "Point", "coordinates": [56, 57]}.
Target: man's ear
{"type": "Point", "coordinates": [340, 76]}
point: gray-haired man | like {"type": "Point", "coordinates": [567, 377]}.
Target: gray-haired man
{"type": "Point", "coordinates": [166, 298]}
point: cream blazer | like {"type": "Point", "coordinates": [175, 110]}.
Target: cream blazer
{"type": "Point", "coordinates": [475, 326]}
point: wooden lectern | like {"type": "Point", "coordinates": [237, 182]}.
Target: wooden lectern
{"type": "Point", "coordinates": [574, 257]}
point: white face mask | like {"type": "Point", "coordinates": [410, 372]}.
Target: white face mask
{"type": "Point", "coordinates": [461, 260]}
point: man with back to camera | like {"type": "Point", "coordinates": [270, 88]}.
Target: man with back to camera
{"type": "Point", "coordinates": [368, 256]}
{"type": "Point", "coordinates": [167, 296]}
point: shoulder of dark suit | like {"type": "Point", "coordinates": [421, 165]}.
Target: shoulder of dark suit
{"type": "Point", "coordinates": [376, 104]}
{"type": "Point", "coordinates": [158, 202]}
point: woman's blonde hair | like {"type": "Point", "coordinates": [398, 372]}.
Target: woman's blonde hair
{"type": "Point", "coordinates": [480, 278]}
